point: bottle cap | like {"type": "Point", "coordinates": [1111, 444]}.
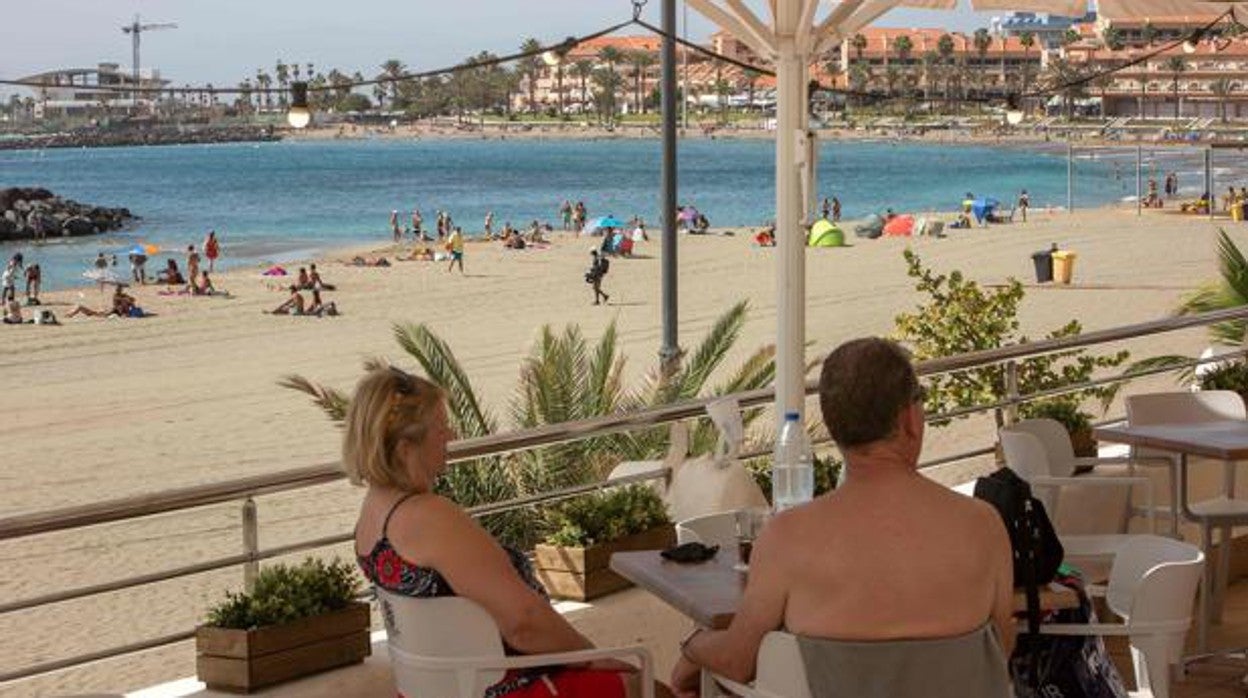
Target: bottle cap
{"type": "Point", "coordinates": [792, 416]}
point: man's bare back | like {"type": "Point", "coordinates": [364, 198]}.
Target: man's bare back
{"type": "Point", "coordinates": [922, 546]}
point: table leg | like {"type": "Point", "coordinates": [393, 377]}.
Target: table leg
{"type": "Point", "coordinates": [1202, 630]}
{"type": "Point", "coordinates": [1174, 498]}
{"type": "Point", "coordinates": [1223, 573]}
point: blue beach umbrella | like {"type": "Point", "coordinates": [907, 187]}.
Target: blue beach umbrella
{"type": "Point", "coordinates": [604, 222]}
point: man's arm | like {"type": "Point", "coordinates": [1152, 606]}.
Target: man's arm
{"type": "Point", "coordinates": [733, 652]}
{"type": "Point", "coordinates": [1002, 557]}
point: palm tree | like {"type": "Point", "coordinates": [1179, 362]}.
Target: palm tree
{"type": "Point", "coordinates": [529, 67]}
{"type": "Point", "coordinates": [859, 44]}
{"type": "Point", "coordinates": [641, 62]}
{"type": "Point", "coordinates": [751, 83]}
{"type": "Point", "coordinates": [1027, 40]}
{"type": "Point", "coordinates": [565, 378]}
{"type": "Point", "coordinates": [1113, 39]}
{"type": "Point", "coordinates": [1177, 66]}
{"type": "Point", "coordinates": [583, 69]}
{"type": "Point", "coordinates": [1103, 83]}
{"type": "Point", "coordinates": [283, 81]}
{"type": "Point", "coordinates": [1221, 89]}
{"type": "Point", "coordinates": [611, 56]}
{"type": "Point", "coordinates": [393, 69]}
{"type": "Point", "coordinates": [944, 47]}
{"type": "Point", "coordinates": [264, 81]}
{"type": "Point", "coordinates": [929, 61]}
{"type": "Point", "coordinates": [1148, 33]}
{"type": "Point", "coordinates": [982, 41]}
{"type": "Point", "coordinates": [608, 83]}
{"type": "Point", "coordinates": [904, 47]}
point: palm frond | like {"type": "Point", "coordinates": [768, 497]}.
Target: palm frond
{"type": "Point", "coordinates": [702, 363]}
{"type": "Point", "coordinates": [435, 356]}
{"type": "Point", "coordinates": [331, 400]}
{"type": "Point", "coordinates": [1183, 373]}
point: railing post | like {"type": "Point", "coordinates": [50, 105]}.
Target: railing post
{"type": "Point", "coordinates": [1011, 391]}
{"type": "Point", "coordinates": [251, 544]}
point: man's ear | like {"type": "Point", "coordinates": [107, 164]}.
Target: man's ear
{"type": "Point", "coordinates": [912, 420]}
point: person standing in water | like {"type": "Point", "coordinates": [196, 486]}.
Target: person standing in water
{"type": "Point", "coordinates": [212, 249]}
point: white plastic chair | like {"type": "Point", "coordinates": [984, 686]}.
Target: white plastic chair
{"type": "Point", "coordinates": [450, 647]}
{"type": "Point", "coordinates": [781, 672]}
{"type": "Point", "coordinates": [1152, 585]}
{"type": "Point", "coordinates": [1039, 450]}
{"type": "Point", "coordinates": [1222, 512]}
{"type": "Point", "coordinates": [719, 529]}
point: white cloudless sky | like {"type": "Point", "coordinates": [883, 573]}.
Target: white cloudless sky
{"type": "Point", "coordinates": [223, 41]}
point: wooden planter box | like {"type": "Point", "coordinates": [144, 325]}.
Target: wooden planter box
{"type": "Point", "coordinates": [582, 574]}
{"type": "Point", "coordinates": [241, 661]}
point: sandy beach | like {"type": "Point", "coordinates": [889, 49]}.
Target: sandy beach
{"type": "Point", "coordinates": [104, 408]}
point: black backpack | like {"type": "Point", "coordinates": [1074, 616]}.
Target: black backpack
{"type": "Point", "coordinates": [603, 265]}
{"type": "Point", "coordinates": [1037, 550]}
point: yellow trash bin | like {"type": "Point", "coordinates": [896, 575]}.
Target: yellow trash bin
{"type": "Point", "coordinates": [1063, 266]}
{"type": "Point", "coordinates": [1237, 211]}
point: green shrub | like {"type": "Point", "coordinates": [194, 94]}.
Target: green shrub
{"type": "Point", "coordinates": [1065, 412]}
{"type": "Point", "coordinates": [606, 516]}
{"type": "Point", "coordinates": [1231, 376]}
{"type": "Point", "coordinates": [827, 471]}
{"type": "Point", "coordinates": [286, 593]}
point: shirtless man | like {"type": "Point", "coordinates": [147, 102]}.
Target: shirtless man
{"type": "Point", "coordinates": [888, 555]}
{"type": "Point", "coordinates": [293, 305]}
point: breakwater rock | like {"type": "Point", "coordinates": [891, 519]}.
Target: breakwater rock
{"type": "Point", "coordinates": [35, 213]}
{"type": "Point", "coordinates": [153, 135]}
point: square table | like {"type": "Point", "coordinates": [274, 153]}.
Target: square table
{"type": "Point", "coordinates": [710, 592]}
{"type": "Point", "coordinates": [1225, 440]}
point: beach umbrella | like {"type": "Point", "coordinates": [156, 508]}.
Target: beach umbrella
{"type": "Point", "coordinates": [603, 222]}
{"type": "Point", "coordinates": [275, 270]}
{"type": "Point", "coordinates": [790, 36]}
{"type": "Point", "coordinates": [144, 249]}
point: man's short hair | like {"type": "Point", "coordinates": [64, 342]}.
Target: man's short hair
{"type": "Point", "coordinates": [864, 385]}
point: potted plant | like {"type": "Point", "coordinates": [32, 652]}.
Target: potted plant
{"type": "Point", "coordinates": [1078, 423]}
{"type": "Point", "coordinates": [298, 620]}
{"type": "Point", "coordinates": [1227, 376]}
{"type": "Point", "coordinates": [573, 561]}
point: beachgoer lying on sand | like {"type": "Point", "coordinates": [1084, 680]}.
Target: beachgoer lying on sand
{"type": "Point", "coordinates": [170, 274]}
{"type": "Point", "coordinates": [319, 308]}
{"type": "Point", "coordinates": [293, 306]}
{"type": "Point", "coordinates": [514, 241]}
{"type": "Point", "coordinates": [766, 237]}
{"type": "Point", "coordinates": [123, 306]}
{"type": "Point", "coordinates": [358, 261]}
{"type": "Point", "coordinates": [317, 282]}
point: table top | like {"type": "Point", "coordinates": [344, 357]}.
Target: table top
{"type": "Point", "coordinates": [1225, 440]}
{"type": "Point", "coordinates": [710, 592]}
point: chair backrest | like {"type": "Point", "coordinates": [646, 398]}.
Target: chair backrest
{"type": "Point", "coordinates": [1056, 441]}
{"type": "Point", "coordinates": [445, 627]}
{"type": "Point", "coordinates": [780, 667]}
{"type": "Point", "coordinates": [1153, 582]}
{"type": "Point", "coordinates": [1184, 407]}
{"type": "Point", "coordinates": [972, 665]}
{"type": "Point", "coordinates": [719, 529]}
{"type": "Point", "coordinates": [1028, 455]}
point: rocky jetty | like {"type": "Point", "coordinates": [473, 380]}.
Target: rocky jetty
{"type": "Point", "coordinates": [34, 214]}
{"type": "Point", "coordinates": [163, 134]}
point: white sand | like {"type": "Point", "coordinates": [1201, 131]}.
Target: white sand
{"type": "Point", "coordinates": [98, 409]}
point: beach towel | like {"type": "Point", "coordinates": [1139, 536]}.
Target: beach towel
{"type": "Point", "coordinates": [901, 226]}
{"type": "Point", "coordinates": [274, 270]}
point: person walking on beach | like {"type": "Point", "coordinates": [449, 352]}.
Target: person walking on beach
{"type": "Point", "coordinates": [34, 277]}
{"type": "Point", "coordinates": [836, 209]}
{"type": "Point", "coordinates": [489, 225]}
{"type": "Point", "coordinates": [456, 247]}
{"type": "Point", "coordinates": [212, 249]}
{"type": "Point", "coordinates": [597, 270]}
{"type": "Point", "coordinates": [138, 267]}
{"type": "Point", "coordinates": [8, 282]}
{"type": "Point", "coordinates": [417, 223]}
{"type": "Point", "coordinates": [565, 213]}
{"type": "Point", "coordinates": [395, 230]}
{"type": "Point", "coordinates": [826, 208]}
{"type": "Point", "coordinates": [1024, 202]}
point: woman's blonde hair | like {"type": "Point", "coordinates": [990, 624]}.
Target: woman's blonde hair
{"type": "Point", "coordinates": [389, 405]}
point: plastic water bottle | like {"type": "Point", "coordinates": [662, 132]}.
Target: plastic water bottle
{"type": "Point", "coordinates": [792, 471]}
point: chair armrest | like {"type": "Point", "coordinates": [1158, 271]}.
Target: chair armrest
{"type": "Point", "coordinates": [1124, 460]}
{"type": "Point", "coordinates": [741, 689]}
{"type": "Point", "coordinates": [1083, 629]}
{"type": "Point", "coordinates": [1055, 481]}
{"type": "Point", "coordinates": [478, 664]}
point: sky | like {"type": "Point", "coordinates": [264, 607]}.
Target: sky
{"type": "Point", "coordinates": [223, 41]}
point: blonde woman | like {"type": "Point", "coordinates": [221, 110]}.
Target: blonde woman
{"type": "Point", "coordinates": [411, 541]}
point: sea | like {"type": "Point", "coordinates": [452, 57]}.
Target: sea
{"type": "Point", "coordinates": [283, 201]}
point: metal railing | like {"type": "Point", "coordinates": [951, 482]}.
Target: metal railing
{"type": "Point", "coordinates": [247, 489]}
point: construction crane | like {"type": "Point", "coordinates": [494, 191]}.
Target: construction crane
{"type": "Point", "coordinates": [136, 29]}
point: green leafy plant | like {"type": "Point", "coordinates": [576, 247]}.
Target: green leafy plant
{"type": "Point", "coordinates": [606, 516]}
{"type": "Point", "coordinates": [1229, 376]}
{"type": "Point", "coordinates": [1065, 412]}
{"type": "Point", "coordinates": [827, 472]}
{"type": "Point", "coordinates": [564, 378]}
{"type": "Point", "coordinates": [286, 593]}
{"type": "Point", "coordinates": [961, 317]}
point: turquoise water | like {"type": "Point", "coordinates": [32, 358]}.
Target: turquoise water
{"type": "Point", "coordinates": [277, 201]}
